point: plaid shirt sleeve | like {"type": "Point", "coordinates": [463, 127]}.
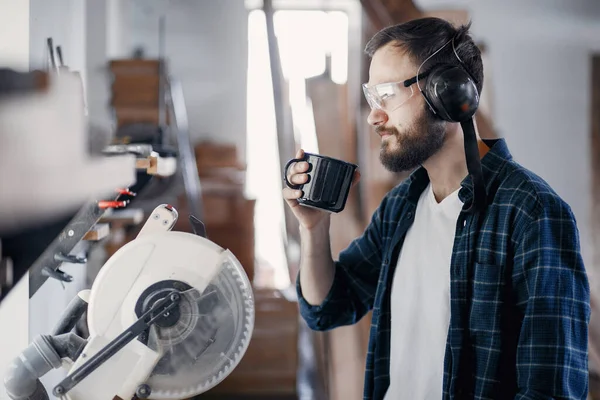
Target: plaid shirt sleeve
{"type": "Point", "coordinates": [552, 293]}
{"type": "Point", "coordinates": [355, 281]}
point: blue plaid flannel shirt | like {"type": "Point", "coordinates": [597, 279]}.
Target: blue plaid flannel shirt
{"type": "Point", "coordinates": [519, 290]}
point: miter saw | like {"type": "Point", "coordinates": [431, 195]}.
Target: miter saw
{"type": "Point", "coordinates": [170, 315]}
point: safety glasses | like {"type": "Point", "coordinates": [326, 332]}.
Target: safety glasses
{"type": "Point", "coordinates": [390, 96]}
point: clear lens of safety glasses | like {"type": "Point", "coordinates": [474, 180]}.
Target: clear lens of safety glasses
{"type": "Point", "coordinates": [387, 96]}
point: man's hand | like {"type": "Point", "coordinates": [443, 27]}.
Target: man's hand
{"type": "Point", "coordinates": [309, 218]}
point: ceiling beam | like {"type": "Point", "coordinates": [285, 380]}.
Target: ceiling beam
{"type": "Point", "coordinates": [383, 13]}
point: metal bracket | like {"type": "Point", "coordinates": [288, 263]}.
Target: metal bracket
{"type": "Point", "coordinates": [70, 258]}
{"type": "Point", "coordinates": [57, 274]}
{"type": "Point", "coordinates": [198, 227]}
{"type": "Point", "coordinates": [47, 265]}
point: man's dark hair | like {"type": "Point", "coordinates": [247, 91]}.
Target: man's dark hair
{"type": "Point", "coordinates": [422, 37]}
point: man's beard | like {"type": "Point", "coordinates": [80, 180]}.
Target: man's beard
{"type": "Point", "coordinates": [414, 145]}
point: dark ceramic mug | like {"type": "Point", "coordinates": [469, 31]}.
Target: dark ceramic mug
{"type": "Point", "coordinates": [329, 182]}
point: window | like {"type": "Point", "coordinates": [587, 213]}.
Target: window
{"type": "Point", "coordinates": [307, 40]}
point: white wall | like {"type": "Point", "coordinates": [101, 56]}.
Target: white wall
{"type": "Point", "coordinates": [24, 28]}
{"type": "Point", "coordinates": [14, 310]}
{"type": "Point", "coordinates": [98, 91]}
{"type": "Point", "coordinates": [206, 47]}
{"type": "Point", "coordinates": [542, 97]}
{"type": "Point", "coordinates": [14, 34]}
{"type": "Point", "coordinates": [118, 31]}
{"type": "Point", "coordinates": [64, 21]}
{"type": "Point", "coordinates": [540, 58]}
{"type": "Point", "coordinates": [548, 127]}
{"type": "Point", "coordinates": [79, 27]}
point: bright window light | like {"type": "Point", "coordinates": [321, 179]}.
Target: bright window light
{"type": "Point", "coordinates": [310, 42]}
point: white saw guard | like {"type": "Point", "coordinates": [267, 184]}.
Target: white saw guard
{"type": "Point", "coordinates": [142, 262]}
{"type": "Point", "coordinates": [119, 376]}
{"type": "Point", "coordinates": [137, 265]}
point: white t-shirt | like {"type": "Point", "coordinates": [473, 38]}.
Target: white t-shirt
{"type": "Point", "coordinates": [420, 301]}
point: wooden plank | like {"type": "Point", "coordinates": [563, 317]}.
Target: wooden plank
{"type": "Point", "coordinates": [153, 168]}
{"type": "Point", "coordinates": [100, 231]}
{"type": "Point", "coordinates": [135, 67]}
{"type": "Point", "coordinates": [455, 16]}
{"type": "Point", "coordinates": [142, 163]}
{"type": "Point", "coordinates": [594, 334]}
{"type": "Point", "coordinates": [150, 164]}
{"type": "Point", "coordinates": [382, 13]}
{"type": "Point", "coordinates": [344, 346]}
{"type": "Point", "coordinates": [595, 154]}
{"type": "Point", "coordinates": [377, 13]}
{"type": "Point", "coordinates": [336, 137]}
{"type": "Point", "coordinates": [271, 361]}
{"type": "Point", "coordinates": [132, 97]}
{"type": "Point", "coordinates": [285, 136]}
{"type": "Point", "coordinates": [135, 114]}
{"type": "Point", "coordinates": [128, 216]}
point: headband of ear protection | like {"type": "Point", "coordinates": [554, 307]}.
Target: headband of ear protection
{"type": "Point", "coordinates": [452, 95]}
{"type": "Point", "coordinates": [450, 90]}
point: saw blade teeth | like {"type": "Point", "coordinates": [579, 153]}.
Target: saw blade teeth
{"type": "Point", "coordinates": [208, 356]}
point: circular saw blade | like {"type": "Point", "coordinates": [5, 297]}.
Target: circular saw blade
{"type": "Point", "coordinates": [209, 338]}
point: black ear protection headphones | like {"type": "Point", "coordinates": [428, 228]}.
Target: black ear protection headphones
{"type": "Point", "coordinates": [451, 94]}
{"type": "Point", "coordinates": [449, 90]}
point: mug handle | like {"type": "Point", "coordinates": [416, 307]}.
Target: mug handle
{"type": "Point", "coordinates": [285, 171]}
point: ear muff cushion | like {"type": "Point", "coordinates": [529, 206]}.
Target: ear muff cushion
{"type": "Point", "coordinates": [452, 93]}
